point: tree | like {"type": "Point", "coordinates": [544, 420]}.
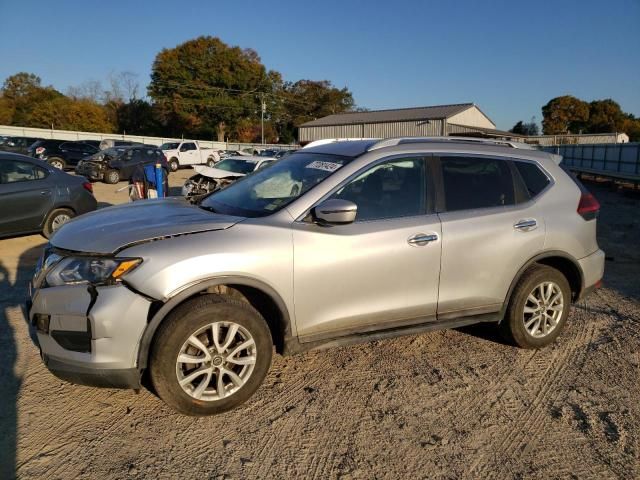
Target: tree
{"type": "Point", "coordinates": [68, 114]}
{"type": "Point", "coordinates": [307, 100]}
{"type": "Point", "coordinates": [564, 114]}
{"type": "Point", "coordinates": [22, 95]}
{"type": "Point", "coordinates": [20, 85]}
{"type": "Point", "coordinates": [204, 87]}
{"type": "Point", "coordinates": [137, 118]}
{"type": "Point", "coordinates": [605, 116]}
{"type": "Point", "coordinates": [518, 128]}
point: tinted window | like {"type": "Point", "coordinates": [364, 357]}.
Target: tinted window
{"type": "Point", "coordinates": [187, 147]}
{"type": "Point", "coordinates": [476, 183]}
{"type": "Point", "coordinates": [14, 171]}
{"type": "Point", "coordinates": [534, 179]}
{"type": "Point", "coordinates": [393, 189]}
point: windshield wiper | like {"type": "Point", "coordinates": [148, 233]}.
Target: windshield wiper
{"type": "Point", "coordinates": [207, 208]}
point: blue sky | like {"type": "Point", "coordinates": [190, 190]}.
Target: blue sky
{"type": "Point", "coordinates": [508, 59]}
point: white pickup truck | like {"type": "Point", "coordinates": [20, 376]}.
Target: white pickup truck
{"type": "Point", "coordinates": [188, 153]}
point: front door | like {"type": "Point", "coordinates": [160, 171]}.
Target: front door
{"type": "Point", "coordinates": [379, 272]}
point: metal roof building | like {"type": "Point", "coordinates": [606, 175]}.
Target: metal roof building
{"type": "Point", "coordinates": [419, 121]}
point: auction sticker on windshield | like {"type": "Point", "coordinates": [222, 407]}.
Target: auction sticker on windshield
{"type": "Point", "coordinates": [326, 166]}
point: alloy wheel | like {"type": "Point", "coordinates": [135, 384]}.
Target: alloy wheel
{"type": "Point", "coordinates": [216, 361]}
{"type": "Point", "coordinates": [59, 220]}
{"type": "Point", "coordinates": [543, 309]}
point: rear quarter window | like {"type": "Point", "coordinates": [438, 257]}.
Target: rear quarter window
{"type": "Point", "coordinates": [535, 180]}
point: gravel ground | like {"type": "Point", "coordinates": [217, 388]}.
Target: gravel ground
{"type": "Point", "coordinates": [449, 404]}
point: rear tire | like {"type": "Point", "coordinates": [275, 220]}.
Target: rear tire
{"type": "Point", "coordinates": [174, 165]}
{"type": "Point", "coordinates": [57, 162]}
{"type": "Point", "coordinates": [538, 308]}
{"type": "Point", "coordinates": [55, 220]}
{"type": "Point", "coordinates": [184, 344]}
{"type": "Point", "coordinates": [211, 162]}
{"type": "Point", "coordinates": [111, 176]}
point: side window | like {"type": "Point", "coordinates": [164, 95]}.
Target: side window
{"type": "Point", "coordinates": [13, 172]}
{"type": "Point", "coordinates": [186, 147]}
{"type": "Point", "coordinates": [392, 189]}
{"type": "Point", "coordinates": [534, 179]}
{"type": "Point", "coordinates": [471, 182]}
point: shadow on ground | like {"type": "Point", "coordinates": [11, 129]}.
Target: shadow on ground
{"type": "Point", "coordinates": [12, 297]}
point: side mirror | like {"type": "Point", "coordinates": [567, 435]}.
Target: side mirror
{"type": "Point", "coordinates": [335, 212]}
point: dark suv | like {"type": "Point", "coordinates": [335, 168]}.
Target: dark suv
{"type": "Point", "coordinates": [17, 144]}
{"type": "Point", "coordinates": [61, 154]}
{"type": "Point", "coordinates": [119, 163]}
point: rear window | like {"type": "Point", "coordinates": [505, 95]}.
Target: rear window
{"type": "Point", "coordinates": [471, 182]}
{"type": "Point", "coordinates": [534, 179]}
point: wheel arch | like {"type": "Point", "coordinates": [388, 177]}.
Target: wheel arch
{"type": "Point", "coordinates": [561, 261]}
{"type": "Point", "coordinates": [259, 295]}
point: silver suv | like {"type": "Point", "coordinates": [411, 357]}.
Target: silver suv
{"type": "Point", "coordinates": [338, 243]}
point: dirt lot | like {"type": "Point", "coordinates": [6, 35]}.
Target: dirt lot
{"type": "Point", "coordinates": [450, 404]}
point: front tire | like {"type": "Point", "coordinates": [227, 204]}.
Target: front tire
{"type": "Point", "coordinates": [174, 165]}
{"type": "Point", "coordinates": [210, 355]}
{"type": "Point", "coordinates": [538, 308]}
{"type": "Point", "coordinates": [55, 220]}
{"type": "Point", "coordinates": [112, 177]}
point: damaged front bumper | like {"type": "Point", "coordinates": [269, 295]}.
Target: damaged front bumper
{"type": "Point", "coordinates": [90, 170]}
{"type": "Point", "coordinates": [90, 335]}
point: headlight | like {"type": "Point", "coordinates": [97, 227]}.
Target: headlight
{"type": "Point", "coordinates": [77, 270]}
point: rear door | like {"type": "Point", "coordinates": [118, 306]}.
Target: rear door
{"type": "Point", "coordinates": [380, 271]}
{"type": "Point", "coordinates": [490, 228]}
{"type": "Point", "coordinates": [26, 196]}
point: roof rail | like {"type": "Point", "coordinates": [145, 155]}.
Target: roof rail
{"type": "Point", "coordinates": [325, 141]}
{"type": "Point", "coordinates": [390, 142]}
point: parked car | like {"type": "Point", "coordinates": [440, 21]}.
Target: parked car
{"type": "Point", "coordinates": [371, 239]}
{"type": "Point", "coordinates": [17, 144]}
{"type": "Point", "coordinates": [119, 163]}
{"type": "Point", "coordinates": [36, 197]}
{"type": "Point", "coordinates": [111, 142]}
{"type": "Point", "coordinates": [226, 171]}
{"type": "Point", "coordinates": [284, 153]}
{"type": "Point", "coordinates": [61, 154]}
{"type": "Point", "coordinates": [180, 154]}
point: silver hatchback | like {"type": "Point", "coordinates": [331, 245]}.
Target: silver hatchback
{"type": "Point", "coordinates": [337, 243]}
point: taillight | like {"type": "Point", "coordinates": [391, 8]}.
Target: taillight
{"type": "Point", "coordinates": [87, 186]}
{"type": "Point", "coordinates": [588, 207]}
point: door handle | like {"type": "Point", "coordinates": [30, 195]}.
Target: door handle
{"type": "Point", "coordinates": [45, 192]}
{"type": "Point", "coordinates": [422, 239]}
{"type": "Point", "coordinates": [526, 225]}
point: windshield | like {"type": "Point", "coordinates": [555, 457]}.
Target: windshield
{"type": "Point", "coordinates": [107, 153]}
{"type": "Point", "coordinates": [169, 146]}
{"type": "Point", "coordinates": [236, 165]}
{"type": "Point", "coordinates": [272, 188]}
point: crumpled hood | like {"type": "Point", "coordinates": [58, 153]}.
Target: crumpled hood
{"type": "Point", "coordinates": [214, 173]}
{"type": "Point", "coordinates": [111, 229]}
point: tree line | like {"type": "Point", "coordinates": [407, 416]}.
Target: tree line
{"type": "Point", "coordinates": [568, 114]}
{"type": "Point", "coordinates": [202, 88]}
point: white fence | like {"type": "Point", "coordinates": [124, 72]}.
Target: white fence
{"type": "Point", "coordinates": [73, 135]}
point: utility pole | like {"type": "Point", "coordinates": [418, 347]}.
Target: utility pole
{"type": "Point", "coordinates": [263, 108]}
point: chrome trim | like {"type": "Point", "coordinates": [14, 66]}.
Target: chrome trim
{"type": "Point", "coordinates": [526, 225]}
{"type": "Point", "coordinates": [421, 239]}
